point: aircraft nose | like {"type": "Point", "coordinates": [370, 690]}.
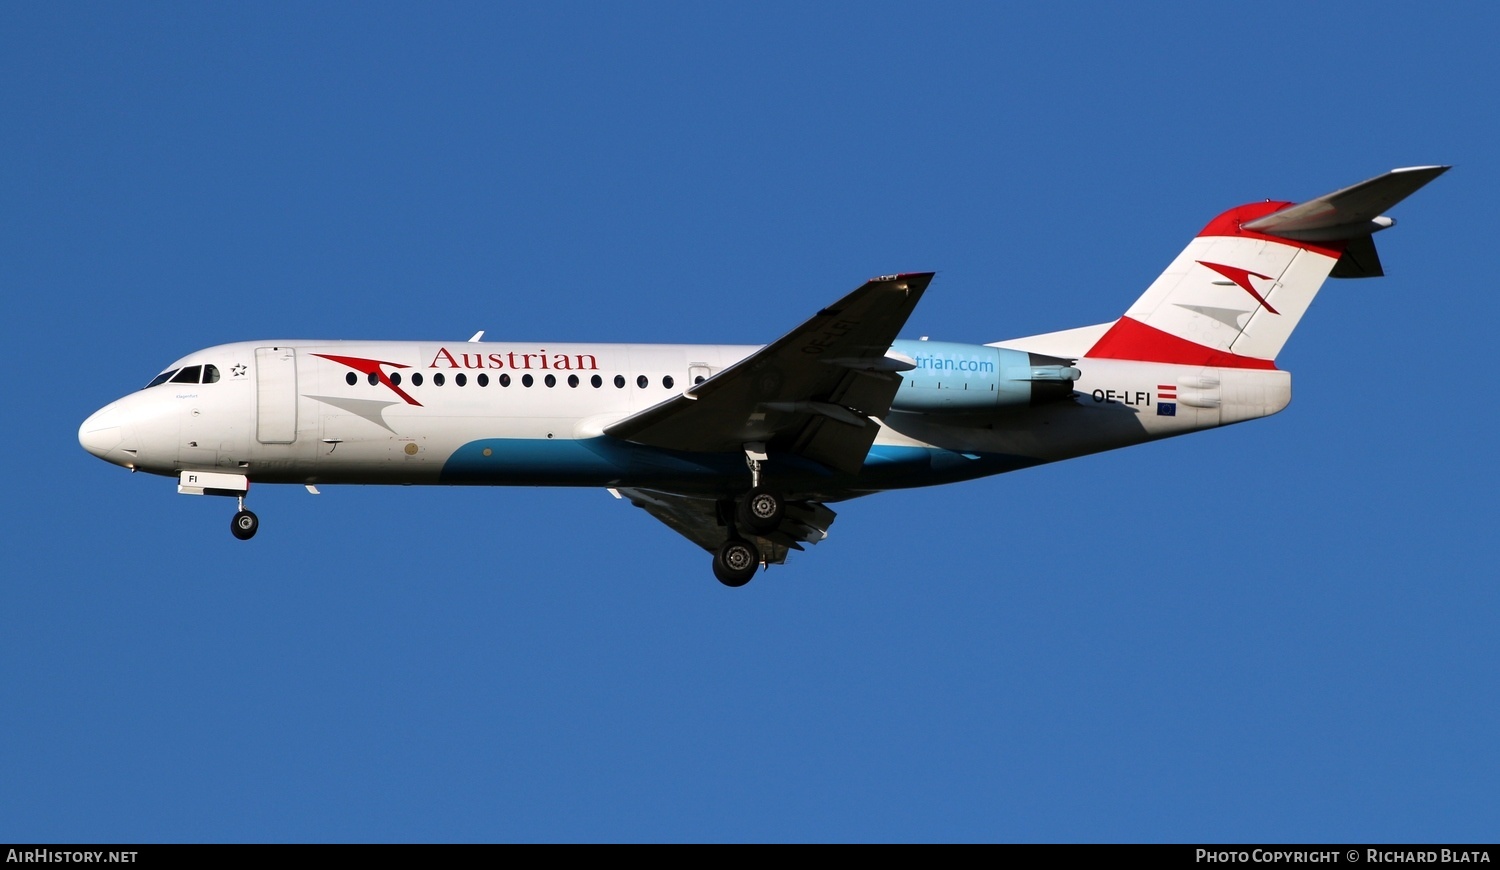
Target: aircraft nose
{"type": "Point", "coordinates": [102, 432]}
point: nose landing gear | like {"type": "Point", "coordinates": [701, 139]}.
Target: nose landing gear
{"type": "Point", "coordinates": [245, 523]}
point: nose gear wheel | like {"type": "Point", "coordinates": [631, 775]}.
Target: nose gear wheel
{"type": "Point", "coordinates": [244, 525]}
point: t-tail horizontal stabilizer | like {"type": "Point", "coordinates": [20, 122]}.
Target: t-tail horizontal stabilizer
{"type": "Point", "coordinates": [1352, 215]}
{"type": "Point", "coordinates": [1349, 213]}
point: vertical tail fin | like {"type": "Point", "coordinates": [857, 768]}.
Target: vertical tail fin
{"type": "Point", "coordinates": [1234, 295]}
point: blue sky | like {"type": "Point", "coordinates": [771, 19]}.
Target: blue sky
{"type": "Point", "coordinates": [1280, 631]}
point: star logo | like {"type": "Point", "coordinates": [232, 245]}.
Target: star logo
{"type": "Point", "coordinates": [238, 370]}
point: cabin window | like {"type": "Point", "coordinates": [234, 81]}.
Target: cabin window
{"type": "Point", "coordinates": [572, 380]}
{"type": "Point", "coordinates": [373, 378]}
{"type": "Point", "coordinates": [483, 380]}
{"type": "Point", "coordinates": [396, 378]}
{"type": "Point", "coordinates": [351, 379]}
{"type": "Point", "coordinates": [550, 380]}
{"type": "Point", "coordinates": [505, 380]}
{"type": "Point", "coordinates": [437, 379]}
{"type": "Point", "coordinates": [416, 379]}
{"type": "Point", "coordinates": [526, 380]}
{"type": "Point", "coordinates": [596, 381]}
{"type": "Point", "coordinates": [620, 381]}
{"type": "Point", "coordinates": [667, 381]}
{"type": "Point", "coordinates": [460, 379]}
{"type": "Point", "coordinates": [642, 381]}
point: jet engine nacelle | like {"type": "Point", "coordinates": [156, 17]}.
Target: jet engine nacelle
{"type": "Point", "coordinates": [951, 377]}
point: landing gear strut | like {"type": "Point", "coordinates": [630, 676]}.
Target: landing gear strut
{"type": "Point", "coordinates": [762, 509]}
{"type": "Point", "coordinates": [245, 523]}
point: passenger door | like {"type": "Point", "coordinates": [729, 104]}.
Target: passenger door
{"type": "Point", "coordinates": [275, 395]}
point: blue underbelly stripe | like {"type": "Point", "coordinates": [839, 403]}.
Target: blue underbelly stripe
{"type": "Point", "coordinates": [607, 461]}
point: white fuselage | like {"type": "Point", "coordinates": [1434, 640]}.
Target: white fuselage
{"type": "Point", "coordinates": [740, 449]}
{"type": "Point", "coordinates": [328, 412]}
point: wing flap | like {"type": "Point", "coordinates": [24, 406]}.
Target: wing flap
{"type": "Point", "coordinates": [697, 519]}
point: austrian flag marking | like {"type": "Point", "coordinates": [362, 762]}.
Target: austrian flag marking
{"type": "Point", "coordinates": [1166, 400]}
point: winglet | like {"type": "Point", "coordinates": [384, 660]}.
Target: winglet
{"type": "Point", "coordinates": [1351, 213]}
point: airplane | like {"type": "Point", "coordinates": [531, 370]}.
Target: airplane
{"type": "Point", "coordinates": [741, 449]}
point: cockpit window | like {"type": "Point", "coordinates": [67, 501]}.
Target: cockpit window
{"type": "Point", "coordinates": [207, 374]}
{"type": "Point", "coordinates": [189, 375]}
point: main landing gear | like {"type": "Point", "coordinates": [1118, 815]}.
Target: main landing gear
{"type": "Point", "coordinates": [735, 562]}
{"type": "Point", "coordinates": [760, 512]}
{"type": "Point", "coordinates": [245, 524]}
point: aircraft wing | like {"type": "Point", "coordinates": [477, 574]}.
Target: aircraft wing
{"type": "Point", "coordinates": [697, 519]}
{"type": "Point", "coordinates": [810, 393]}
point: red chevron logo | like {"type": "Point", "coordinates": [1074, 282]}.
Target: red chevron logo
{"type": "Point", "coordinates": [1242, 278]}
{"type": "Point", "coordinates": [372, 367]}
